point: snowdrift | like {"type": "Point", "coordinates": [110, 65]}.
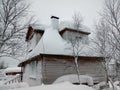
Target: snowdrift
{"type": "Point", "coordinates": [61, 86]}
{"type": "Point", "coordinates": [73, 78]}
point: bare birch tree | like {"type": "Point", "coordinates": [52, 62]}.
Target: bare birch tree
{"type": "Point", "coordinates": [106, 50]}
{"type": "Point", "coordinates": [111, 14]}
{"type": "Point", "coordinates": [12, 25]}
{"type": "Point", "coordinates": [76, 47]}
{"type": "Point", "coordinates": [76, 41]}
{"type": "Point", "coordinates": [110, 17]}
{"type": "Point", "coordinates": [77, 20]}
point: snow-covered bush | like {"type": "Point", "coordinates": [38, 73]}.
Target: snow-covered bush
{"type": "Point", "coordinates": [117, 85]}
{"type": "Point", "coordinates": [102, 86]}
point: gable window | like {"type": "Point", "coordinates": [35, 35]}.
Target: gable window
{"type": "Point", "coordinates": [78, 38]}
{"type": "Point", "coordinates": [81, 39]}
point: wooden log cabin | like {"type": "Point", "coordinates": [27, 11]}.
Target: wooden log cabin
{"type": "Point", "coordinates": [48, 58]}
{"type": "Point", "coordinates": [50, 67]}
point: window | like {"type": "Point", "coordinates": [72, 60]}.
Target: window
{"type": "Point", "coordinates": [78, 38]}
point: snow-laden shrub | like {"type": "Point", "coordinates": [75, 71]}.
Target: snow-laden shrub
{"type": "Point", "coordinates": [102, 86]}
{"type": "Point", "coordinates": [117, 85]}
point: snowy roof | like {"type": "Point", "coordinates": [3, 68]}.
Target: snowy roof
{"type": "Point", "coordinates": [67, 24]}
{"type": "Point", "coordinates": [38, 26]}
{"type": "Point", "coordinates": [73, 30]}
{"type": "Point", "coordinates": [12, 69]}
{"type": "Point", "coordinates": [31, 30]}
{"type": "Point", "coordinates": [52, 43]}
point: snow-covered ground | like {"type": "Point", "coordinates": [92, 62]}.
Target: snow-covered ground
{"type": "Point", "coordinates": [13, 86]}
{"type": "Point", "coordinates": [61, 86]}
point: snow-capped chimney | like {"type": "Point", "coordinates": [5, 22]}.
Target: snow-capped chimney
{"type": "Point", "coordinates": [55, 22]}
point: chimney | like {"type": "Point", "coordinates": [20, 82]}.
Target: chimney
{"type": "Point", "coordinates": [55, 22]}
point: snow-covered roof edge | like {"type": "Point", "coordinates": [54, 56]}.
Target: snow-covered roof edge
{"type": "Point", "coordinates": [32, 30]}
{"type": "Point", "coordinates": [12, 69]}
{"type": "Point", "coordinates": [65, 57]}
{"type": "Point", "coordinates": [73, 30]}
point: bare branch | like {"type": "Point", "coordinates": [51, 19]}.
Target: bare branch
{"type": "Point", "coordinates": [12, 12]}
{"type": "Point", "coordinates": [77, 20]}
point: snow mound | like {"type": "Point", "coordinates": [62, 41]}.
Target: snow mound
{"type": "Point", "coordinates": [74, 79]}
{"type": "Point", "coordinates": [61, 86]}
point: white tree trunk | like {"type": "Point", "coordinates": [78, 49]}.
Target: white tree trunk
{"type": "Point", "coordinates": [77, 68]}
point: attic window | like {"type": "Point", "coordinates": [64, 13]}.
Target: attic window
{"type": "Point", "coordinates": [78, 38]}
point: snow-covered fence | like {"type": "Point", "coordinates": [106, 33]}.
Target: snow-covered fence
{"type": "Point", "coordinates": [2, 75]}
{"type": "Point", "coordinates": [15, 79]}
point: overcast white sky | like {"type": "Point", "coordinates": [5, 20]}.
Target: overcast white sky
{"type": "Point", "coordinates": [64, 9]}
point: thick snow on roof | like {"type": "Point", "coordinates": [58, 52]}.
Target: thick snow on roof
{"type": "Point", "coordinates": [50, 43]}
{"type": "Point", "coordinates": [12, 69]}
{"type": "Point", "coordinates": [87, 50]}
{"type": "Point", "coordinates": [38, 26]}
{"type": "Point", "coordinates": [67, 24]}
{"type": "Point", "coordinates": [61, 86]}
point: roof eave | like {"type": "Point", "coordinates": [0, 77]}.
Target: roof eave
{"type": "Point", "coordinates": [55, 55]}
{"type": "Point", "coordinates": [73, 30]}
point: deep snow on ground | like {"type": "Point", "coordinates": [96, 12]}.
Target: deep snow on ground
{"type": "Point", "coordinates": [60, 86]}
{"type": "Point", "coordinates": [13, 86]}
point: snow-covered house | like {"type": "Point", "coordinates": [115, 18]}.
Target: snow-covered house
{"type": "Point", "coordinates": [50, 58]}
